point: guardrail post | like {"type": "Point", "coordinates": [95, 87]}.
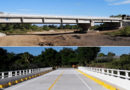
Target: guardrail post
{"type": "Point", "coordinates": [126, 75]}
{"type": "Point", "coordinates": [108, 71]}
{"type": "Point", "coordinates": [118, 73]}
{"type": "Point", "coordinates": [103, 70]}
{"type": "Point", "coordinates": [23, 72]}
{"type": "Point", "coordinates": [3, 75]}
{"type": "Point", "coordinates": [16, 73]}
{"type": "Point", "coordinates": [112, 72]}
{"type": "Point", "coordinates": [29, 70]}
{"type": "Point", "coordinates": [10, 74]}
{"type": "Point", "coordinates": [19, 72]}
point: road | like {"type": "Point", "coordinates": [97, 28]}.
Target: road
{"type": "Point", "coordinates": [61, 79]}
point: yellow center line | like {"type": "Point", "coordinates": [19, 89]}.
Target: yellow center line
{"type": "Point", "coordinates": [55, 81]}
{"type": "Point", "coordinates": [110, 87]}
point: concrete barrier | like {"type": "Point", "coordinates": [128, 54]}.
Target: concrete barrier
{"type": "Point", "coordinates": [109, 75]}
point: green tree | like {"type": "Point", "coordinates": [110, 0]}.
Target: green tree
{"type": "Point", "coordinates": [50, 57]}
{"type": "Point", "coordinates": [45, 27]}
{"type": "Point", "coordinates": [110, 54]}
{"type": "Point", "coordinates": [87, 54]}
{"type": "Point", "coordinates": [68, 57]}
{"type": "Point", "coordinates": [101, 55]}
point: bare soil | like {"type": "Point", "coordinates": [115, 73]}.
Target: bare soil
{"type": "Point", "coordinates": [63, 38]}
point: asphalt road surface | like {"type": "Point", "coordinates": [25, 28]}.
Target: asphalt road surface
{"type": "Point", "coordinates": [61, 79]}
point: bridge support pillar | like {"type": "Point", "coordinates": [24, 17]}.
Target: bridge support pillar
{"type": "Point", "coordinates": [92, 23]}
{"type": "Point", "coordinates": [121, 24]}
{"type": "Point", "coordinates": [84, 27]}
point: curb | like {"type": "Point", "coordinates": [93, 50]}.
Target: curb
{"type": "Point", "coordinates": [107, 86]}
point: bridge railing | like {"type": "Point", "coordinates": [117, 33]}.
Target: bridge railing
{"type": "Point", "coordinates": [10, 74]}
{"type": "Point", "coordinates": [124, 74]}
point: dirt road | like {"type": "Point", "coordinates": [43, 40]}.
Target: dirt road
{"type": "Point", "coordinates": [63, 39]}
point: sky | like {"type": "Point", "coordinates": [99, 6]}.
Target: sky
{"type": "Point", "coordinates": [37, 50]}
{"type": "Point", "coordinates": [66, 7]}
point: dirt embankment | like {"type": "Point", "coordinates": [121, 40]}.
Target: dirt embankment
{"type": "Point", "coordinates": [63, 38]}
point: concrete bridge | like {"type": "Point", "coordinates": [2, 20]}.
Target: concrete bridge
{"type": "Point", "coordinates": [83, 78]}
{"type": "Point", "coordinates": [84, 22]}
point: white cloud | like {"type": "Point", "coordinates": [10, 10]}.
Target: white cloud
{"type": "Point", "coordinates": [26, 10]}
{"type": "Point", "coordinates": [123, 2]}
{"type": "Point", "coordinates": [118, 2]}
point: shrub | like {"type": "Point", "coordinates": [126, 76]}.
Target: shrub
{"type": "Point", "coordinates": [125, 31]}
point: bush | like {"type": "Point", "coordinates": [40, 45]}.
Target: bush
{"type": "Point", "coordinates": [96, 27]}
{"type": "Point", "coordinates": [45, 27]}
{"type": "Point", "coordinates": [125, 31]}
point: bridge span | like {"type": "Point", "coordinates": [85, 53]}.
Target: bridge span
{"type": "Point", "coordinates": [83, 78]}
{"type": "Point", "coordinates": [84, 22]}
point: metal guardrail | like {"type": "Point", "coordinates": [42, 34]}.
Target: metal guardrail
{"type": "Point", "coordinates": [125, 74]}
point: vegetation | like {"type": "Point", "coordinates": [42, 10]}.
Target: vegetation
{"type": "Point", "coordinates": [48, 58]}
{"type": "Point", "coordinates": [122, 32]}
{"type": "Point", "coordinates": [110, 61]}
{"type": "Point", "coordinates": [85, 56]}
{"type": "Point", "coordinates": [23, 28]}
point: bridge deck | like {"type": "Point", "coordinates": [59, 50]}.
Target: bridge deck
{"type": "Point", "coordinates": [61, 79]}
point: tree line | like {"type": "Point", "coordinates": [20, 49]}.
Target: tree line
{"type": "Point", "coordinates": [48, 58]}
{"type": "Point", "coordinates": [112, 61]}
{"type": "Point", "coordinates": [6, 27]}
{"type": "Point", "coordinates": [66, 57]}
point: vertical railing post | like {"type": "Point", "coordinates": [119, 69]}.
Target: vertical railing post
{"type": "Point", "coordinates": [29, 70]}
{"type": "Point", "coordinates": [3, 75]}
{"type": "Point", "coordinates": [23, 72]}
{"type": "Point", "coordinates": [19, 72]}
{"type": "Point", "coordinates": [10, 74]}
{"type": "Point", "coordinates": [126, 75]}
{"type": "Point", "coordinates": [112, 72]}
{"type": "Point", "coordinates": [107, 71]}
{"type": "Point", "coordinates": [118, 73]}
{"type": "Point", "coordinates": [16, 73]}
{"type": "Point", "coordinates": [103, 70]}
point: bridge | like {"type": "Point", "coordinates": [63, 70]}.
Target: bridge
{"type": "Point", "coordinates": [83, 78]}
{"type": "Point", "coordinates": [84, 22]}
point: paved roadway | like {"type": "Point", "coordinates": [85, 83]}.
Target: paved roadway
{"type": "Point", "coordinates": [61, 79]}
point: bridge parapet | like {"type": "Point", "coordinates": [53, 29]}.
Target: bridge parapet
{"type": "Point", "coordinates": [9, 74]}
{"type": "Point", "coordinates": [119, 78]}
{"type": "Point", "coordinates": [13, 77]}
{"type": "Point", "coordinates": [113, 72]}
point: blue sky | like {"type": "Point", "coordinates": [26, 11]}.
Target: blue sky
{"type": "Point", "coordinates": [37, 50]}
{"type": "Point", "coordinates": [66, 7]}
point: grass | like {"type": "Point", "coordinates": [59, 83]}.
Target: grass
{"type": "Point", "coordinates": [122, 32]}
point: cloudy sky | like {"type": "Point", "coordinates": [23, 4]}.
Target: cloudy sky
{"type": "Point", "coordinates": [67, 7]}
